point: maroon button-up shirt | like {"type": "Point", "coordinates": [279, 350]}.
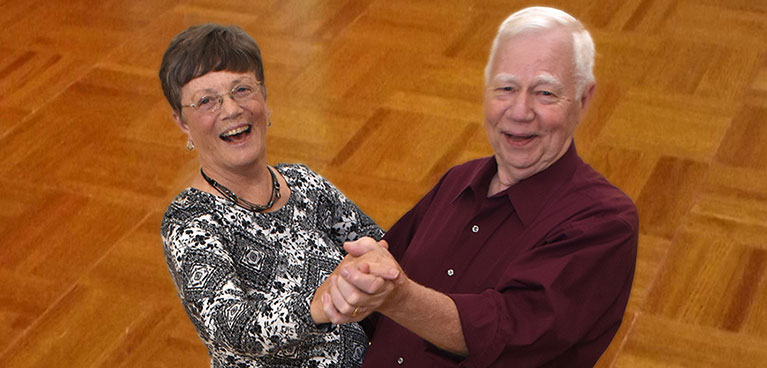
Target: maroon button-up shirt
{"type": "Point", "coordinates": [540, 273]}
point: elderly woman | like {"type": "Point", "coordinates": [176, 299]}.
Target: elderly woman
{"type": "Point", "coordinates": [248, 244]}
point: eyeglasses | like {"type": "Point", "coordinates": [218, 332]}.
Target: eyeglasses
{"type": "Point", "coordinates": [240, 93]}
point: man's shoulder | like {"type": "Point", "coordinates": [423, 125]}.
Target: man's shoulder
{"type": "Point", "coordinates": [591, 193]}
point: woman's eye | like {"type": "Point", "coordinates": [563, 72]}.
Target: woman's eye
{"type": "Point", "coordinates": [204, 101]}
{"type": "Point", "coordinates": [243, 90]}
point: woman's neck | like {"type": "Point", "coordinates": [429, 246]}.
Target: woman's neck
{"type": "Point", "coordinates": [253, 184]}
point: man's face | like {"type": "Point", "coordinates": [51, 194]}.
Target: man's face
{"type": "Point", "coordinates": [531, 107]}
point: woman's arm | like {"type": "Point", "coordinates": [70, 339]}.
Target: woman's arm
{"type": "Point", "coordinates": [248, 321]}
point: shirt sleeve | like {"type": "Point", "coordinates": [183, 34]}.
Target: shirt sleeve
{"type": "Point", "coordinates": [401, 233]}
{"type": "Point", "coordinates": [574, 287]}
{"type": "Point", "coordinates": [254, 323]}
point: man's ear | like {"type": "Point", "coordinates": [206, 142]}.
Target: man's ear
{"type": "Point", "coordinates": [587, 96]}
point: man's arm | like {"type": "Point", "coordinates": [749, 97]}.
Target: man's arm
{"type": "Point", "coordinates": [426, 312]}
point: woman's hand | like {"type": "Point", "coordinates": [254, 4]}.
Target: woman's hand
{"type": "Point", "coordinates": [361, 281]}
{"type": "Point", "coordinates": [364, 281]}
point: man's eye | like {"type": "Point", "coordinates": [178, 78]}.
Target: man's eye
{"type": "Point", "coordinates": [547, 94]}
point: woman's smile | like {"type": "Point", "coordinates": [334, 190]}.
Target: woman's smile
{"type": "Point", "coordinates": [236, 135]}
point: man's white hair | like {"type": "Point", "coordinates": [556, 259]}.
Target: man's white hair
{"type": "Point", "coordinates": [543, 18]}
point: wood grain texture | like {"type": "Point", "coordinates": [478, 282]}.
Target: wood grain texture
{"type": "Point", "coordinates": [381, 97]}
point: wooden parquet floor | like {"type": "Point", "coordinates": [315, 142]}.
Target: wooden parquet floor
{"type": "Point", "coordinates": [380, 96]}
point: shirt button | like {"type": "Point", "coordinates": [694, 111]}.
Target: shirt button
{"type": "Point", "coordinates": [400, 360]}
{"type": "Point", "coordinates": [475, 229]}
{"type": "Point", "coordinates": [450, 272]}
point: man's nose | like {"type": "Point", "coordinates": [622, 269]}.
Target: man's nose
{"type": "Point", "coordinates": [521, 108]}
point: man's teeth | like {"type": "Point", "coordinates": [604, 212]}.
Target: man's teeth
{"type": "Point", "coordinates": [235, 131]}
{"type": "Point", "coordinates": [519, 136]}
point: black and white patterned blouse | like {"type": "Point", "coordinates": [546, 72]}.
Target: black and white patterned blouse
{"type": "Point", "coordinates": [246, 280]}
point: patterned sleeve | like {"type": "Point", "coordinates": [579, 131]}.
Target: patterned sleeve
{"type": "Point", "coordinates": [347, 221]}
{"type": "Point", "coordinates": [254, 323]}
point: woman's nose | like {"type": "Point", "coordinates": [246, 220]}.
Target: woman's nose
{"type": "Point", "coordinates": [229, 105]}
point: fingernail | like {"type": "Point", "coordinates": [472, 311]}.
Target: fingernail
{"type": "Point", "coordinates": [344, 272]}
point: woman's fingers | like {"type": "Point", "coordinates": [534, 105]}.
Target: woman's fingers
{"type": "Point", "coordinates": [339, 301]}
{"type": "Point", "coordinates": [331, 312]}
{"type": "Point", "coordinates": [360, 246]}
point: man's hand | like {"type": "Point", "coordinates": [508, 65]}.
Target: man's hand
{"type": "Point", "coordinates": [363, 283]}
{"type": "Point", "coordinates": [357, 286]}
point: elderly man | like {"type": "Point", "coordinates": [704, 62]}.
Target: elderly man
{"type": "Point", "coordinates": [521, 259]}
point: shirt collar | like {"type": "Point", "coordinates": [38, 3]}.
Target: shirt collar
{"type": "Point", "coordinates": [528, 196]}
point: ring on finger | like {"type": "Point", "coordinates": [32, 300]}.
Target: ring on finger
{"type": "Point", "coordinates": [356, 309]}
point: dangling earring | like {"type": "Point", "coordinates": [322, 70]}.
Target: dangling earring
{"type": "Point", "coordinates": [189, 144]}
{"type": "Point", "coordinates": [269, 123]}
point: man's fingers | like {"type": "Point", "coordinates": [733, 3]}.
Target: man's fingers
{"type": "Point", "coordinates": [383, 271]}
{"type": "Point", "coordinates": [357, 280]}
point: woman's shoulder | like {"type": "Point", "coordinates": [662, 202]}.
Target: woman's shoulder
{"type": "Point", "coordinates": [191, 205]}
{"type": "Point", "coordinates": [295, 169]}
{"type": "Point", "coordinates": [300, 175]}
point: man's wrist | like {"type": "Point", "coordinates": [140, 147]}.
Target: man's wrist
{"type": "Point", "coordinates": [403, 289]}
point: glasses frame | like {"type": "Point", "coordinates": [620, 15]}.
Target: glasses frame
{"type": "Point", "coordinates": [220, 98]}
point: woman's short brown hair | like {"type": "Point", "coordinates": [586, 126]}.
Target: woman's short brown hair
{"type": "Point", "coordinates": [204, 48]}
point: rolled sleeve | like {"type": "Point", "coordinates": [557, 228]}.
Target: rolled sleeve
{"type": "Point", "coordinates": [560, 293]}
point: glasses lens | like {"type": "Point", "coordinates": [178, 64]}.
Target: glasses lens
{"type": "Point", "coordinates": [207, 103]}
{"type": "Point", "coordinates": [242, 92]}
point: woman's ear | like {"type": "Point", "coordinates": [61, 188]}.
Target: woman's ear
{"type": "Point", "coordinates": [180, 121]}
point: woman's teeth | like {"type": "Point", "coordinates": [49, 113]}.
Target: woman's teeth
{"type": "Point", "coordinates": [236, 131]}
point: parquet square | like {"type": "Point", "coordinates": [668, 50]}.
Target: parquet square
{"type": "Point", "coordinates": [627, 169]}
{"type": "Point", "coordinates": [311, 129]}
{"type": "Point", "coordinates": [736, 23]}
{"type": "Point", "coordinates": [662, 342]}
{"type": "Point", "coordinates": [668, 124]}
{"type": "Point", "coordinates": [24, 298]}
{"type": "Point", "coordinates": [732, 205]}
{"type": "Point", "coordinates": [709, 281]}
{"type": "Point", "coordinates": [744, 144]}
{"type": "Point", "coordinates": [88, 321]}
{"type": "Point", "coordinates": [379, 149]}
{"type": "Point", "coordinates": [31, 79]}
{"type": "Point", "coordinates": [668, 195]}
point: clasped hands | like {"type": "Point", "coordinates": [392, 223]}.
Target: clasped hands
{"type": "Point", "coordinates": [367, 280]}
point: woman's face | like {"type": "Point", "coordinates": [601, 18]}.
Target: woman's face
{"type": "Point", "coordinates": [233, 137]}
